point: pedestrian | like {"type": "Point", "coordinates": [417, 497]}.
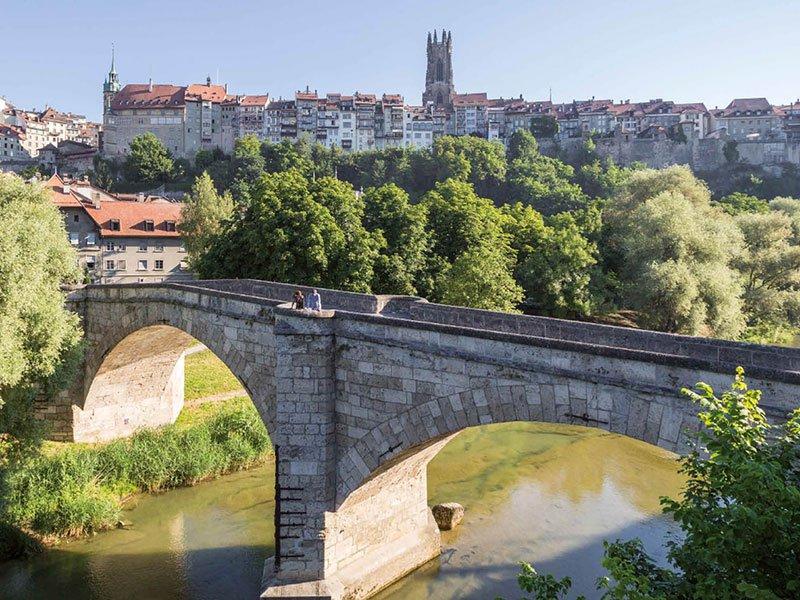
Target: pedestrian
{"type": "Point", "coordinates": [314, 301]}
{"type": "Point", "coordinates": [299, 300]}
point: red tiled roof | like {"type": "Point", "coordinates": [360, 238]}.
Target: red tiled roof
{"type": "Point", "coordinates": [60, 197]}
{"type": "Point", "coordinates": [254, 100]}
{"type": "Point", "coordinates": [306, 95]}
{"type": "Point", "coordinates": [12, 131]}
{"type": "Point", "coordinates": [132, 217]}
{"type": "Point", "coordinates": [206, 92]}
{"type": "Point", "coordinates": [739, 105]}
{"type": "Point", "coordinates": [137, 95]}
{"type": "Point", "coordinates": [466, 99]}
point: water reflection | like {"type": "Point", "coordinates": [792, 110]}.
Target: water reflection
{"type": "Point", "coordinates": [533, 492]}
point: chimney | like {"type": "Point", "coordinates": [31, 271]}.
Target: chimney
{"type": "Point", "coordinates": [66, 188]}
{"type": "Point", "coordinates": [150, 85]}
{"type": "Point", "coordinates": [96, 200]}
{"type": "Point", "coordinates": [208, 81]}
{"type": "Point", "coordinates": [140, 197]}
{"type": "Point", "coordinates": [226, 88]}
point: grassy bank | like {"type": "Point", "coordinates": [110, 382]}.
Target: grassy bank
{"type": "Point", "coordinates": [206, 375]}
{"type": "Point", "coordinates": [78, 489]}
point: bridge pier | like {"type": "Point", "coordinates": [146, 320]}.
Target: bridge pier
{"type": "Point", "coordinates": [328, 547]}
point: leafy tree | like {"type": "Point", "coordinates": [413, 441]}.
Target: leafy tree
{"type": "Point", "coordinates": [39, 335]}
{"type": "Point", "coordinates": [149, 161]}
{"type": "Point", "coordinates": [791, 208]}
{"type": "Point", "coordinates": [731, 152]}
{"type": "Point", "coordinates": [739, 512]}
{"type": "Point", "coordinates": [770, 269]}
{"type": "Point", "coordinates": [283, 157]}
{"type": "Point", "coordinates": [352, 261]}
{"type": "Point", "coordinates": [284, 234]}
{"type": "Point", "coordinates": [544, 127]}
{"type": "Point", "coordinates": [738, 203]}
{"type": "Point", "coordinates": [481, 278]}
{"type": "Point", "coordinates": [671, 251]}
{"type": "Point", "coordinates": [554, 261]}
{"type": "Point", "coordinates": [402, 226]}
{"type": "Point", "coordinates": [469, 158]}
{"type": "Point", "coordinates": [203, 213]}
{"type": "Point", "coordinates": [543, 182]}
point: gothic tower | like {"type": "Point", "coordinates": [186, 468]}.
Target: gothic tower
{"type": "Point", "coordinates": [439, 87]}
{"type": "Point", "coordinates": [111, 85]}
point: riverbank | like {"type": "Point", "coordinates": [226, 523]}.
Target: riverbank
{"type": "Point", "coordinates": [77, 490]}
{"type": "Point", "coordinates": [71, 490]}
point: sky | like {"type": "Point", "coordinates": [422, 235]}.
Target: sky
{"type": "Point", "coordinates": [57, 52]}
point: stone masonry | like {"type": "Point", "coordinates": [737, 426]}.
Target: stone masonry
{"type": "Point", "coordinates": [359, 398]}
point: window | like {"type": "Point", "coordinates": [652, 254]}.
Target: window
{"type": "Point", "coordinates": [149, 226]}
{"type": "Point", "coordinates": [143, 247]}
{"type": "Point", "coordinates": [91, 239]}
{"type": "Point", "coordinates": [110, 265]}
{"type": "Point", "coordinates": [114, 224]}
{"type": "Point", "coordinates": [76, 218]}
{"type": "Point", "coordinates": [159, 265]}
{"type": "Point", "coordinates": [142, 265]}
{"type": "Point", "coordinates": [73, 238]}
{"type": "Point", "coordinates": [169, 225]}
{"type": "Point", "coordinates": [158, 248]}
{"type": "Point", "coordinates": [90, 262]}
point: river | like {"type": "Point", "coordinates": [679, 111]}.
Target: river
{"type": "Point", "coordinates": [539, 493]}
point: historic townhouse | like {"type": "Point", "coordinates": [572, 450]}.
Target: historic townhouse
{"type": "Point", "coordinates": [121, 239]}
{"type": "Point", "coordinates": [751, 119]}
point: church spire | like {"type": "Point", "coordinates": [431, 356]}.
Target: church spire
{"type": "Point", "coordinates": [113, 70]}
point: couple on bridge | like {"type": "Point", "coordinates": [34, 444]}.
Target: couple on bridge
{"type": "Point", "coordinates": [312, 303]}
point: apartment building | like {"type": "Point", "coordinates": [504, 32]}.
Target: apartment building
{"type": "Point", "coordinates": [120, 239]}
{"type": "Point", "coordinates": [750, 119]}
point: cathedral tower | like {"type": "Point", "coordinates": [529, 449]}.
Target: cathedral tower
{"type": "Point", "coordinates": [111, 85]}
{"type": "Point", "coordinates": [439, 87]}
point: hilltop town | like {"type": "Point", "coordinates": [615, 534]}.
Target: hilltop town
{"type": "Point", "coordinates": [205, 116]}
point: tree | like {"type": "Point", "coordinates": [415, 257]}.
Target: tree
{"type": "Point", "coordinates": [481, 278]}
{"type": "Point", "coordinates": [284, 234]}
{"type": "Point", "coordinates": [554, 261]}
{"type": "Point", "coordinates": [770, 269]}
{"type": "Point", "coordinates": [739, 512]}
{"type": "Point", "coordinates": [791, 208]}
{"type": "Point", "coordinates": [149, 161]}
{"type": "Point", "coordinates": [247, 166]}
{"type": "Point", "coordinates": [468, 158]}
{"type": "Point", "coordinates": [541, 181]}
{"type": "Point", "coordinates": [738, 203]}
{"type": "Point", "coordinates": [352, 261]}
{"type": "Point", "coordinates": [402, 225]}
{"type": "Point", "coordinates": [672, 252]}
{"type": "Point", "coordinates": [203, 213]}
{"type": "Point", "coordinates": [39, 335]}
{"type": "Point", "coordinates": [283, 157]}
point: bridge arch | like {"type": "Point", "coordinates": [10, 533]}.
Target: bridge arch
{"type": "Point", "coordinates": [132, 372]}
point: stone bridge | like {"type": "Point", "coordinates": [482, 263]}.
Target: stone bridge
{"type": "Point", "coordinates": [359, 398]}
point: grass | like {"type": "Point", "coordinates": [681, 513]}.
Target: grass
{"type": "Point", "coordinates": [206, 375]}
{"type": "Point", "coordinates": [80, 489]}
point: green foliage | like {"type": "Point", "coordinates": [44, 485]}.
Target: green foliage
{"type": "Point", "coordinates": [284, 157]}
{"type": "Point", "coordinates": [80, 489]}
{"type": "Point", "coordinates": [148, 161]}
{"type": "Point", "coordinates": [672, 253]}
{"type": "Point", "coordinates": [739, 513]}
{"type": "Point", "coordinates": [481, 278]}
{"type": "Point", "coordinates": [543, 182]}
{"type": "Point", "coordinates": [543, 587]}
{"type": "Point", "coordinates": [770, 268]}
{"type": "Point", "coordinates": [402, 225]}
{"type": "Point", "coordinates": [738, 203]}
{"type": "Point", "coordinates": [731, 152]}
{"type": "Point", "coordinates": [473, 159]}
{"type": "Point", "coordinates": [202, 216]}
{"type": "Point", "coordinates": [40, 338]}
{"type": "Point", "coordinates": [288, 232]}
{"type": "Point", "coordinates": [554, 261]}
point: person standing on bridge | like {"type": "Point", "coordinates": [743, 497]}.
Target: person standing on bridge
{"type": "Point", "coordinates": [314, 301]}
{"type": "Point", "coordinates": [298, 302]}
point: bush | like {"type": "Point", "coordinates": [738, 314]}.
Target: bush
{"type": "Point", "coordinates": [82, 489]}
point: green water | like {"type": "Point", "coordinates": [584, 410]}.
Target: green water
{"type": "Point", "coordinates": [538, 493]}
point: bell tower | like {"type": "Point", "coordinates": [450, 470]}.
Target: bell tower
{"type": "Point", "coordinates": [439, 88]}
{"type": "Point", "coordinates": [111, 85]}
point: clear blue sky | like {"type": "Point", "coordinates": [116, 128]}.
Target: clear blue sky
{"type": "Point", "coordinates": [57, 52]}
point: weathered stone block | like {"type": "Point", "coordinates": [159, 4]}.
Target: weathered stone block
{"type": "Point", "coordinates": [448, 515]}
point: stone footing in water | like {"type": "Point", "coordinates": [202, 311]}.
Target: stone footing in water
{"type": "Point", "coordinates": [448, 515]}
